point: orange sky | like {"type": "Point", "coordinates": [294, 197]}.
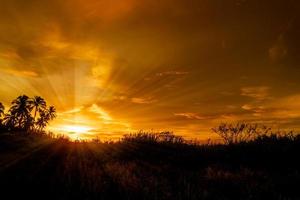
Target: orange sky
{"type": "Point", "coordinates": [112, 67]}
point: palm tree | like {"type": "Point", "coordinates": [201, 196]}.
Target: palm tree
{"type": "Point", "coordinates": [42, 121]}
{"type": "Point", "coordinates": [1, 112]}
{"type": "Point", "coordinates": [39, 104]}
{"type": "Point", "coordinates": [45, 117]}
{"type": "Point", "coordinates": [40, 124]}
{"type": "Point", "coordinates": [1, 109]}
{"type": "Point", "coordinates": [21, 109]}
{"type": "Point", "coordinates": [29, 123]}
{"type": "Point", "coordinates": [51, 112]}
{"type": "Point", "coordinates": [9, 120]}
{"type": "Point", "coordinates": [19, 115]}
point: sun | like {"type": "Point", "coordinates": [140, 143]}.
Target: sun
{"type": "Point", "coordinates": [75, 128]}
{"type": "Point", "coordinates": [74, 131]}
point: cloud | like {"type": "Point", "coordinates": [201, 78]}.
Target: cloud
{"type": "Point", "coordinates": [74, 110]}
{"type": "Point", "coordinates": [172, 73]}
{"type": "Point", "coordinates": [247, 107]}
{"type": "Point", "coordinates": [257, 110]}
{"type": "Point", "coordinates": [258, 93]}
{"type": "Point", "coordinates": [285, 107]}
{"type": "Point", "coordinates": [20, 73]}
{"type": "Point", "coordinates": [189, 115]}
{"type": "Point", "coordinates": [279, 50]}
{"type": "Point", "coordinates": [139, 100]}
{"type": "Point", "coordinates": [102, 114]}
{"type": "Point", "coordinates": [119, 97]}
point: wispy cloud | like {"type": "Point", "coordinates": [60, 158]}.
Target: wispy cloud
{"type": "Point", "coordinates": [258, 93]}
{"type": "Point", "coordinates": [170, 73]}
{"type": "Point", "coordinates": [190, 115]}
{"type": "Point", "coordinates": [279, 50]}
{"type": "Point", "coordinates": [139, 100]}
{"type": "Point", "coordinates": [74, 110]}
{"type": "Point", "coordinates": [102, 114]}
{"type": "Point", "coordinates": [20, 73]}
{"type": "Point", "coordinates": [257, 110]}
{"type": "Point", "coordinates": [177, 74]}
{"type": "Point", "coordinates": [285, 107]}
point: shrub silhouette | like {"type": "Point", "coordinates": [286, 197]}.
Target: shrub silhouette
{"type": "Point", "coordinates": [151, 137]}
{"type": "Point", "coordinates": [240, 132]}
{"type": "Point", "coordinates": [149, 166]}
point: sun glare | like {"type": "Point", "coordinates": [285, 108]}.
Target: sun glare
{"type": "Point", "coordinates": [75, 129]}
{"type": "Point", "coordinates": [74, 132]}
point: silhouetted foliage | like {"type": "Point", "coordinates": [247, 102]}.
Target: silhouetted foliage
{"type": "Point", "coordinates": [149, 166]}
{"type": "Point", "coordinates": [51, 112]}
{"type": "Point", "coordinates": [1, 113]}
{"type": "Point", "coordinates": [240, 132]}
{"type": "Point", "coordinates": [21, 109]}
{"type": "Point", "coordinates": [1, 110]}
{"type": "Point", "coordinates": [27, 114]}
{"type": "Point", "coordinates": [38, 104]}
{"type": "Point", "coordinates": [162, 137]}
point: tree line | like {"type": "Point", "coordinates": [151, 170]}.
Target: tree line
{"type": "Point", "coordinates": [27, 114]}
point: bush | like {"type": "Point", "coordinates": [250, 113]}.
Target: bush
{"type": "Point", "coordinates": [240, 132]}
{"type": "Point", "coordinates": [152, 137]}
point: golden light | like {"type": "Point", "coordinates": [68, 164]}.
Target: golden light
{"type": "Point", "coordinates": [74, 132]}
{"type": "Point", "coordinates": [76, 129]}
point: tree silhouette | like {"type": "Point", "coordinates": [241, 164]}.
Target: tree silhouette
{"type": "Point", "coordinates": [21, 108]}
{"type": "Point", "coordinates": [42, 121]}
{"type": "Point", "coordinates": [51, 112]}
{"type": "Point", "coordinates": [240, 132]}
{"type": "Point", "coordinates": [20, 114]}
{"type": "Point", "coordinates": [45, 116]}
{"type": "Point", "coordinates": [1, 109]}
{"type": "Point", "coordinates": [9, 120]}
{"type": "Point", "coordinates": [1, 112]}
{"type": "Point", "coordinates": [38, 104]}
{"type": "Point", "coordinates": [28, 123]}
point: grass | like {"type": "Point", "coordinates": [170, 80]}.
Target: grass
{"type": "Point", "coordinates": [148, 166]}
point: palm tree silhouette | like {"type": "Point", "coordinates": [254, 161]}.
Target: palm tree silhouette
{"type": "Point", "coordinates": [51, 112]}
{"type": "Point", "coordinates": [28, 123]}
{"type": "Point", "coordinates": [42, 121]}
{"type": "Point", "coordinates": [21, 108]}
{"type": "Point", "coordinates": [1, 109]}
{"type": "Point", "coordinates": [45, 117]}
{"type": "Point", "coordinates": [1, 112]}
{"type": "Point", "coordinates": [9, 120]}
{"type": "Point", "coordinates": [39, 104]}
{"type": "Point", "coordinates": [20, 114]}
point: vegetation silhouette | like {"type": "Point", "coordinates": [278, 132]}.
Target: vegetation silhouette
{"type": "Point", "coordinates": [252, 162]}
{"type": "Point", "coordinates": [27, 114]}
{"type": "Point", "coordinates": [149, 166]}
{"type": "Point", "coordinates": [241, 132]}
{"type": "Point", "coordinates": [1, 111]}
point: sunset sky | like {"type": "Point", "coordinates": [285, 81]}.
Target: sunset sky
{"type": "Point", "coordinates": [117, 66]}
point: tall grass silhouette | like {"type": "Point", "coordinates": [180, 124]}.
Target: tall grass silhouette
{"type": "Point", "coordinates": [147, 165]}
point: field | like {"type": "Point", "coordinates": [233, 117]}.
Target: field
{"type": "Point", "coordinates": [40, 167]}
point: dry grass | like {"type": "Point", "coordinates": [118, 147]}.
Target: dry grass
{"type": "Point", "coordinates": [145, 166]}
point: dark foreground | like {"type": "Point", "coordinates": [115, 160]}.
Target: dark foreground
{"type": "Point", "coordinates": [34, 167]}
